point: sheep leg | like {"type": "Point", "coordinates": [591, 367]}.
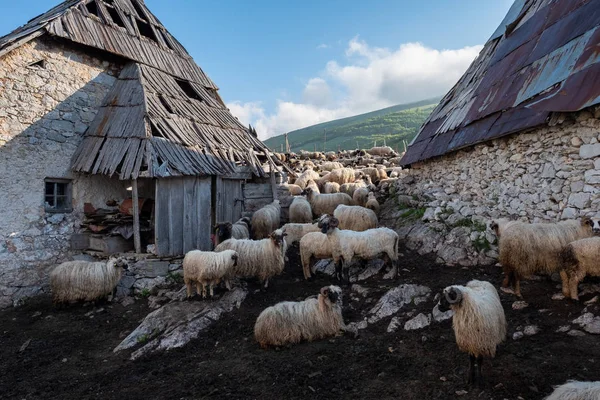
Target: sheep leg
{"type": "Point", "coordinates": [507, 276]}
{"type": "Point", "coordinates": [228, 284]}
{"type": "Point", "coordinates": [188, 286]}
{"type": "Point", "coordinates": [338, 270]}
{"type": "Point", "coordinates": [471, 380]}
{"type": "Point", "coordinates": [517, 285]}
{"type": "Point", "coordinates": [565, 283]}
{"type": "Point", "coordinates": [573, 283]}
{"type": "Point", "coordinates": [478, 375]}
{"type": "Point", "coordinates": [203, 290]}
{"type": "Point", "coordinates": [266, 283]}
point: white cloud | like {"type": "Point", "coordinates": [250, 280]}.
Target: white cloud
{"type": "Point", "coordinates": [322, 46]}
{"type": "Point", "coordinates": [371, 78]}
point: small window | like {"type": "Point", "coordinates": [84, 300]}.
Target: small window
{"type": "Point", "coordinates": [146, 30]}
{"type": "Point", "coordinates": [93, 8]}
{"type": "Point", "coordinates": [166, 39]}
{"type": "Point", "coordinates": [57, 196]}
{"type": "Point", "coordinates": [138, 9]}
{"type": "Point", "coordinates": [116, 18]}
{"type": "Point", "coordinates": [188, 89]}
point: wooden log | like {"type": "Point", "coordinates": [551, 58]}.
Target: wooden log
{"type": "Point", "coordinates": [136, 217]}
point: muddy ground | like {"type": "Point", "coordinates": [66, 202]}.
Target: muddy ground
{"type": "Point", "coordinates": [69, 351]}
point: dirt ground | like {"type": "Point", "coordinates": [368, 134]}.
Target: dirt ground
{"type": "Point", "coordinates": [69, 352]}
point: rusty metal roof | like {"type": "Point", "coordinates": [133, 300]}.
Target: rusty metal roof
{"type": "Point", "coordinates": [544, 58]}
{"type": "Point", "coordinates": [163, 116]}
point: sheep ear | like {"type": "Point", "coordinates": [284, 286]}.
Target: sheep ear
{"type": "Point", "coordinates": [334, 222]}
{"type": "Point", "coordinates": [229, 224]}
{"type": "Point", "coordinates": [453, 296]}
{"type": "Point", "coordinates": [587, 221]}
{"type": "Point", "coordinates": [325, 291]}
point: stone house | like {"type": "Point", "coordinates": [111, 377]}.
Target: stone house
{"type": "Point", "coordinates": [519, 134]}
{"type": "Point", "coordinates": [99, 104]}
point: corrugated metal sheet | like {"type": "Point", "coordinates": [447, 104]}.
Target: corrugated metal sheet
{"type": "Point", "coordinates": [544, 58]}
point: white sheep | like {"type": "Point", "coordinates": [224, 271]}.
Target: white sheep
{"type": "Point", "coordinates": [331, 187]}
{"type": "Point", "coordinates": [372, 203]}
{"type": "Point", "coordinates": [355, 218]}
{"type": "Point", "coordinates": [580, 258]}
{"type": "Point", "coordinates": [293, 189]}
{"type": "Point", "coordinates": [386, 151]}
{"type": "Point", "coordinates": [77, 280]}
{"type": "Point", "coordinates": [291, 322]}
{"type": "Point", "coordinates": [341, 176]}
{"type": "Point", "coordinates": [360, 196]}
{"type": "Point", "coordinates": [350, 188]}
{"type": "Point", "coordinates": [312, 185]}
{"type": "Point", "coordinates": [376, 174]}
{"type": "Point", "coordinates": [295, 231]}
{"type": "Point", "coordinates": [365, 245]}
{"type": "Point", "coordinates": [331, 165]}
{"type": "Point", "coordinates": [479, 323]}
{"type": "Point", "coordinates": [259, 258]}
{"type": "Point", "coordinates": [525, 249]}
{"type": "Point", "coordinates": [575, 390]}
{"type": "Point", "coordinates": [313, 245]}
{"type": "Point", "coordinates": [266, 220]}
{"type": "Point", "coordinates": [307, 175]}
{"type": "Point", "coordinates": [207, 268]}
{"type": "Point", "coordinates": [300, 210]}
{"type": "Point", "coordinates": [326, 203]}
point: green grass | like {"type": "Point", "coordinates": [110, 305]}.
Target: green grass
{"type": "Point", "coordinates": [392, 124]}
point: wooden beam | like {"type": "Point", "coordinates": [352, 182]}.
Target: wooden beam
{"type": "Point", "coordinates": [136, 217]}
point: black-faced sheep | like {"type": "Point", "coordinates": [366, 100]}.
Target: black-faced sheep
{"type": "Point", "coordinates": [372, 203]}
{"type": "Point", "coordinates": [295, 232]}
{"type": "Point", "coordinates": [355, 218]}
{"type": "Point", "coordinates": [479, 323]}
{"type": "Point", "coordinates": [366, 245]}
{"type": "Point", "coordinates": [291, 322]}
{"type": "Point", "coordinates": [207, 268]}
{"type": "Point", "coordinates": [313, 246]}
{"type": "Point", "coordinates": [266, 220]}
{"type": "Point", "coordinates": [77, 280]}
{"type": "Point", "coordinates": [326, 203]}
{"type": "Point", "coordinates": [227, 230]}
{"type": "Point", "coordinates": [574, 390]}
{"type": "Point", "coordinates": [259, 258]}
{"type": "Point", "coordinates": [580, 258]}
{"type": "Point", "coordinates": [526, 249]}
{"type": "Point", "coordinates": [300, 211]}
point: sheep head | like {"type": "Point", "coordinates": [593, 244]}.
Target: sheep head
{"type": "Point", "coordinates": [332, 293]}
{"type": "Point", "coordinates": [593, 223]}
{"type": "Point", "coordinates": [327, 223]}
{"type": "Point", "coordinates": [223, 231]}
{"type": "Point", "coordinates": [450, 296]}
{"type": "Point", "coordinates": [120, 263]}
{"type": "Point", "coordinates": [278, 237]}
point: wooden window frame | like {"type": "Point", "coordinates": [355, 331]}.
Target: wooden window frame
{"type": "Point", "coordinates": [68, 195]}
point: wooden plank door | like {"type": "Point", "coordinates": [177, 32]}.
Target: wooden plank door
{"type": "Point", "coordinates": [229, 197]}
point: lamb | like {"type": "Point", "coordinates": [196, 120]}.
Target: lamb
{"type": "Point", "coordinates": [295, 232]}
{"type": "Point", "coordinates": [331, 187]}
{"type": "Point", "coordinates": [313, 186]}
{"type": "Point", "coordinates": [341, 176]}
{"type": "Point", "coordinates": [290, 322]}
{"type": "Point", "coordinates": [372, 203]}
{"type": "Point", "coordinates": [526, 249]}
{"type": "Point", "coordinates": [330, 166]}
{"type": "Point", "coordinates": [580, 258]}
{"type": "Point", "coordinates": [360, 196]}
{"type": "Point", "coordinates": [355, 218]}
{"type": "Point", "coordinates": [479, 323]}
{"type": "Point", "coordinates": [227, 230]}
{"type": "Point", "coordinates": [294, 190]}
{"type": "Point", "coordinates": [376, 174]}
{"type": "Point", "coordinates": [350, 188]}
{"type": "Point", "coordinates": [326, 203]}
{"type": "Point", "coordinates": [313, 245]}
{"type": "Point", "coordinates": [304, 177]}
{"type": "Point", "coordinates": [574, 390]}
{"type": "Point", "coordinates": [365, 245]}
{"type": "Point", "coordinates": [300, 210]}
{"type": "Point", "coordinates": [260, 258]}
{"type": "Point", "coordinates": [85, 280]}
{"type": "Point", "coordinates": [207, 268]}
{"type": "Point", "coordinates": [266, 220]}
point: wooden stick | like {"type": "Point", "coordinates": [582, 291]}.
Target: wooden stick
{"type": "Point", "coordinates": [136, 217]}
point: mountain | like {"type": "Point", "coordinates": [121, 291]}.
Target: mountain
{"type": "Point", "coordinates": [394, 124]}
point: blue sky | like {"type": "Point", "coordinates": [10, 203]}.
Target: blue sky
{"type": "Point", "coordinates": [284, 65]}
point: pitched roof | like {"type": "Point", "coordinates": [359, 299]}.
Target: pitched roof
{"type": "Point", "coordinates": [543, 58]}
{"type": "Point", "coordinates": [163, 116]}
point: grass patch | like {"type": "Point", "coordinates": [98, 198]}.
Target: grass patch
{"type": "Point", "coordinates": [413, 213]}
{"type": "Point", "coordinates": [175, 278]}
{"type": "Point", "coordinates": [145, 292]}
{"type": "Point", "coordinates": [481, 244]}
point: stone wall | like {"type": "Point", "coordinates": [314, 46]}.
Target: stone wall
{"type": "Point", "coordinates": [44, 110]}
{"type": "Point", "coordinates": [548, 174]}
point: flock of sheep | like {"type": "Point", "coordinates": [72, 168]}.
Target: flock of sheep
{"type": "Point", "coordinates": [337, 190]}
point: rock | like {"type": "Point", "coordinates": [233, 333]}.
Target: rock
{"type": "Point", "coordinates": [579, 200]}
{"type": "Point", "coordinates": [569, 213]}
{"type": "Point", "coordinates": [517, 335]}
{"type": "Point", "coordinates": [548, 171]}
{"type": "Point", "coordinates": [584, 319]}
{"type": "Point", "coordinates": [394, 325]}
{"type": "Point", "coordinates": [374, 267]}
{"type": "Point", "coordinates": [126, 281]}
{"type": "Point", "coordinates": [150, 284]}
{"type": "Point", "coordinates": [575, 332]}
{"type": "Point", "coordinates": [531, 330]}
{"type": "Point", "coordinates": [439, 316]}
{"type": "Point", "coordinates": [363, 291]}
{"type": "Point", "coordinates": [397, 298]}
{"type": "Point", "coordinates": [461, 392]}
{"type": "Point", "coordinates": [418, 322]}
{"type": "Point", "coordinates": [127, 301]}
{"type": "Point", "coordinates": [558, 296]}
{"type": "Point", "coordinates": [589, 150]}
{"type": "Point", "coordinates": [354, 326]}
{"type": "Point", "coordinates": [576, 142]}
{"type": "Point", "coordinates": [150, 268]}
{"type": "Point", "coordinates": [589, 323]}
{"type": "Point", "coordinates": [591, 301]}
{"type": "Point", "coordinates": [176, 323]}
{"type": "Point", "coordinates": [326, 267]}
{"type": "Point", "coordinates": [563, 329]}
{"type": "Point", "coordinates": [519, 305]}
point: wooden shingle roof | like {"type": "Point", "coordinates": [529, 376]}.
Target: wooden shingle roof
{"type": "Point", "coordinates": [163, 116]}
